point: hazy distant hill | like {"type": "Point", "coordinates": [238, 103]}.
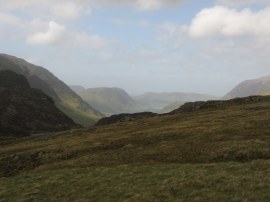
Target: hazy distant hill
{"type": "Point", "coordinates": [157, 101]}
{"type": "Point", "coordinates": [24, 110]}
{"type": "Point", "coordinates": [77, 88]}
{"type": "Point", "coordinates": [171, 107]}
{"type": "Point", "coordinates": [65, 99]}
{"type": "Point", "coordinates": [259, 86]}
{"type": "Point", "coordinates": [110, 100]}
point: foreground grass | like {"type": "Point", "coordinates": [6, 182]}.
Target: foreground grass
{"type": "Point", "coordinates": [237, 133]}
{"type": "Point", "coordinates": [215, 154]}
{"type": "Point", "coordinates": [229, 181]}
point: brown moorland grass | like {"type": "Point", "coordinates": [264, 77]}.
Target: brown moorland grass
{"type": "Point", "coordinates": [230, 181]}
{"type": "Point", "coordinates": [213, 139]}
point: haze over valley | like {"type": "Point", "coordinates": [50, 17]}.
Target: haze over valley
{"type": "Point", "coordinates": [135, 100]}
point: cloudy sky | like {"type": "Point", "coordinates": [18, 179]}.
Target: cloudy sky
{"type": "Point", "coordinates": [142, 45]}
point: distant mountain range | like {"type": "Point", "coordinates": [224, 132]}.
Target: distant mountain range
{"type": "Point", "coordinates": [116, 101]}
{"type": "Point", "coordinates": [24, 110]}
{"type": "Point", "coordinates": [259, 86]}
{"type": "Point", "coordinates": [158, 101]}
{"type": "Point", "coordinates": [108, 100]}
{"type": "Point", "coordinates": [65, 99]}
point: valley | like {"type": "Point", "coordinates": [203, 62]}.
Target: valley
{"type": "Point", "coordinates": [134, 101]}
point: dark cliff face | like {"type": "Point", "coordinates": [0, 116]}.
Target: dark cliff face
{"type": "Point", "coordinates": [24, 110]}
{"type": "Point", "coordinates": [66, 100]}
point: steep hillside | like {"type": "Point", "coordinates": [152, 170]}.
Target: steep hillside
{"type": "Point", "coordinates": [207, 151]}
{"type": "Point", "coordinates": [65, 99]}
{"type": "Point", "coordinates": [24, 110]}
{"type": "Point", "coordinates": [110, 100]}
{"type": "Point", "coordinates": [259, 86]}
{"type": "Point", "coordinates": [77, 89]}
{"type": "Point", "coordinates": [157, 101]}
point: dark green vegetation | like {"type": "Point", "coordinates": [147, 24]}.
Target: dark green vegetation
{"type": "Point", "coordinates": [24, 110]}
{"type": "Point", "coordinates": [259, 86]}
{"type": "Point", "coordinates": [207, 151]}
{"type": "Point", "coordinates": [66, 100]}
{"type": "Point", "coordinates": [109, 100]}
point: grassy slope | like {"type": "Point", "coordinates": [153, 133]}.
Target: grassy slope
{"type": "Point", "coordinates": [153, 159]}
{"type": "Point", "coordinates": [110, 100]}
{"type": "Point", "coordinates": [172, 182]}
{"type": "Point", "coordinates": [78, 116]}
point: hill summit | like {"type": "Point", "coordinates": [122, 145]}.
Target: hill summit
{"type": "Point", "coordinates": [259, 86]}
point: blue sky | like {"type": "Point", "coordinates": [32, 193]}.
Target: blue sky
{"type": "Point", "coordinates": [142, 45]}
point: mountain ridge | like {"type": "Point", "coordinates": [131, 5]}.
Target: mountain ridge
{"type": "Point", "coordinates": [24, 110]}
{"type": "Point", "coordinates": [260, 86]}
{"type": "Point", "coordinates": [157, 101]}
{"type": "Point", "coordinates": [110, 100]}
{"type": "Point", "coordinates": [65, 99]}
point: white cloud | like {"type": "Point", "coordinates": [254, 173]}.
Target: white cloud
{"type": "Point", "coordinates": [223, 21]}
{"type": "Point", "coordinates": [58, 35]}
{"type": "Point", "coordinates": [148, 4]}
{"type": "Point", "coordinates": [67, 10]}
{"type": "Point", "coordinates": [138, 4]}
{"type": "Point", "coordinates": [242, 2]}
{"type": "Point", "coordinates": [52, 36]}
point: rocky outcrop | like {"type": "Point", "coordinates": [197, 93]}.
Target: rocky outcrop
{"type": "Point", "coordinates": [215, 104]}
{"type": "Point", "coordinates": [124, 118]}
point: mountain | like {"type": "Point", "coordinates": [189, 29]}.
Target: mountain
{"type": "Point", "coordinates": [259, 86]}
{"type": "Point", "coordinates": [24, 110]}
{"type": "Point", "coordinates": [157, 101]}
{"type": "Point", "coordinates": [110, 100]}
{"type": "Point", "coordinates": [65, 99]}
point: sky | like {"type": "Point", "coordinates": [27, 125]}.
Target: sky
{"type": "Point", "coordinates": [142, 46]}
